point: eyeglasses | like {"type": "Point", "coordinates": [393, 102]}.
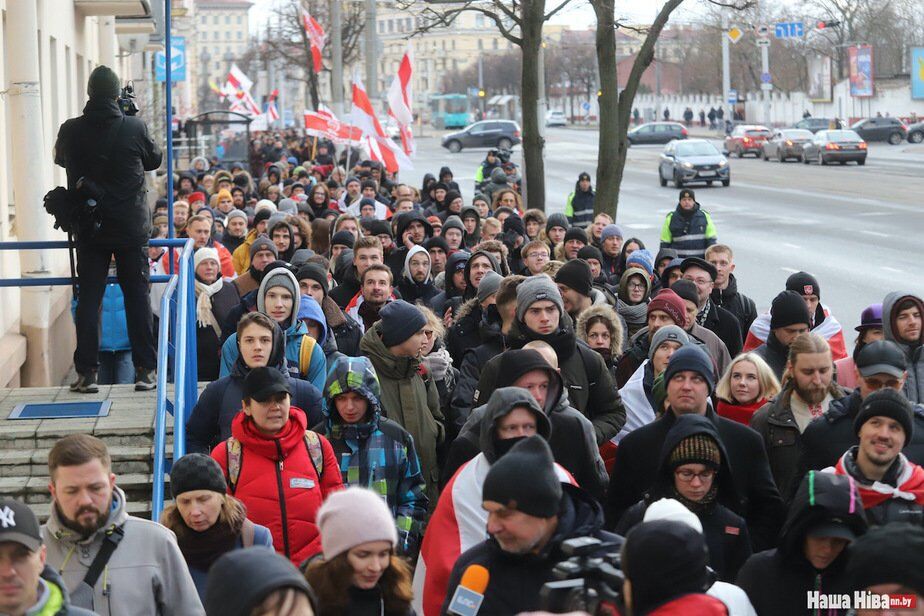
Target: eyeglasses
{"type": "Point", "coordinates": [702, 282]}
{"type": "Point", "coordinates": [636, 286]}
{"type": "Point", "coordinates": [687, 476]}
{"type": "Point", "coordinates": [537, 255]}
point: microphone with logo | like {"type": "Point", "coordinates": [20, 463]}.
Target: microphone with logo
{"type": "Point", "coordinates": [466, 601]}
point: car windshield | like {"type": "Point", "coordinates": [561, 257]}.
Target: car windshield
{"type": "Point", "coordinates": [696, 149]}
{"type": "Point", "coordinates": [758, 132]}
{"type": "Point", "coordinates": [857, 124]}
{"type": "Point", "coordinates": [843, 135]}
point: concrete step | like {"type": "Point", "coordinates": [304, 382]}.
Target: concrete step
{"type": "Point", "coordinates": [126, 459]}
{"type": "Point", "coordinates": [137, 486]}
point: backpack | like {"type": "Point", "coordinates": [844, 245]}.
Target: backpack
{"type": "Point", "coordinates": [236, 457]}
{"type": "Point", "coordinates": [304, 354]}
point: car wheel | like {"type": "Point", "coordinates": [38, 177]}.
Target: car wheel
{"type": "Point", "coordinates": [661, 179]}
{"type": "Point", "coordinates": [843, 162]}
{"type": "Point", "coordinates": [678, 182]}
{"type": "Point", "coordinates": [916, 137]}
{"type": "Point", "coordinates": [726, 183]}
{"type": "Point", "coordinates": [709, 183]}
{"type": "Point", "coordinates": [861, 162]}
{"type": "Point", "coordinates": [454, 146]}
{"type": "Point", "coordinates": [806, 160]}
{"type": "Point", "coordinates": [765, 157]}
{"type": "Point", "coordinates": [504, 143]}
{"type": "Point", "coordinates": [895, 138]}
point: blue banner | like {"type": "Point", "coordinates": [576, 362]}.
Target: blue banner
{"type": "Point", "coordinates": [917, 72]}
{"type": "Point", "coordinates": [177, 61]}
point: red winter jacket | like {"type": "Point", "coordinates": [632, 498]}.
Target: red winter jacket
{"type": "Point", "coordinates": [279, 485]}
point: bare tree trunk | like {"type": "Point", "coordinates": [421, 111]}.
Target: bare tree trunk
{"type": "Point", "coordinates": [608, 173]}
{"type": "Point", "coordinates": [533, 143]}
{"type": "Point", "coordinates": [313, 88]}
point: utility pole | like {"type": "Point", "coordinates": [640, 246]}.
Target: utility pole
{"type": "Point", "coordinates": [481, 84]}
{"type": "Point", "coordinates": [372, 77]}
{"type": "Point", "coordinates": [336, 56]}
{"type": "Point", "coordinates": [726, 70]}
{"type": "Point", "coordinates": [765, 86]}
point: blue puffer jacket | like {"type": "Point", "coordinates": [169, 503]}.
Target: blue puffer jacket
{"type": "Point", "coordinates": [377, 453]}
{"type": "Point", "coordinates": [113, 327]}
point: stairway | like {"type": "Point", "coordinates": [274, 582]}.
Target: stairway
{"type": "Point", "coordinates": [128, 431]}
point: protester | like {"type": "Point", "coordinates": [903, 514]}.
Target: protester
{"type": "Point", "coordinates": [145, 572]}
{"type": "Point", "coordinates": [601, 328]}
{"type": "Point", "coordinates": [789, 319]}
{"type": "Point", "coordinates": [747, 385]}
{"type": "Point", "coordinates": [257, 582]}
{"type": "Point", "coordinates": [207, 522]}
{"type": "Point", "coordinates": [902, 315]}
{"type": "Point", "coordinates": [869, 330]}
{"type": "Point", "coordinates": [888, 560]}
{"type": "Point", "coordinates": [725, 292]}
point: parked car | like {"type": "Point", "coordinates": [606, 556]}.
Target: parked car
{"type": "Point", "coordinates": [692, 160]}
{"type": "Point", "coordinates": [891, 130]}
{"type": "Point", "coordinates": [817, 124]}
{"type": "Point", "coordinates": [555, 118]}
{"type": "Point", "coordinates": [916, 133]}
{"type": "Point", "coordinates": [502, 134]}
{"type": "Point", "coordinates": [657, 132]}
{"type": "Point", "coordinates": [840, 146]}
{"type": "Point", "coordinates": [747, 139]}
{"type": "Point", "coordinates": [786, 143]}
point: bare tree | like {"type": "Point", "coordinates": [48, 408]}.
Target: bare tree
{"type": "Point", "coordinates": [501, 71]}
{"type": "Point", "coordinates": [616, 106]}
{"type": "Point", "coordinates": [286, 40]}
{"type": "Point", "coordinates": [520, 22]}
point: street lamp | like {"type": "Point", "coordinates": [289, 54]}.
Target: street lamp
{"type": "Point", "coordinates": [204, 59]}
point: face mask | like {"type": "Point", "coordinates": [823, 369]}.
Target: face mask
{"type": "Point", "coordinates": [501, 447]}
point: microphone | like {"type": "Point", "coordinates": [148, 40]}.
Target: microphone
{"type": "Point", "coordinates": [466, 601]}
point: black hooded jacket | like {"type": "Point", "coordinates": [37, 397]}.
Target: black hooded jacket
{"type": "Point", "coordinates": [473, 360]}
{"type": "Point", "coordinates": [725, 531]}
{"type": "Point", "coordinates": [738, 304]}
{"type": "Point", "coordinates": [516, 579]}
{"type": "Point", "coordinates": [209, 422]}
{"type": "Point", "coordinates": [395, 260]}
{"type": "Point", "coordinates": [572, 441]}
{"type": "Point", "coordinates": [777, 581]}
{"type": "Point", "coordinates": [125, 219]}
{"type": "Point", "coordinates": [589, 384]}
{"type": "Point", "coordinates": [726, 326]}
{"type": "Point", "coordinates": [756, 497]}
{"type": "Point", "coordinates": [775, 354]}
{"type": "Point", "coordinates": [451, 296]}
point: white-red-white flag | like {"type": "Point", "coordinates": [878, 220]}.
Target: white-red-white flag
{"type": "Point", "coordinates": [365, 119]}
{"type": "Point", "coordinates": [323, 123]}
{"type": "Point", "coordinates": [238, 80]}
{"type": "Point", "coordinates": [400, 100]}
{"type": "Point", "coordinates": [316, 38]}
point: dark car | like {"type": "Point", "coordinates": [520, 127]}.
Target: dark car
{"type": "Point", "coordinates": [891, 130]}
{"type": "Point", "coordinates": [486, 134]}
{"type": "Point", "coordinates": [786, 143]}
{"type": "Point", "coordinates": [840, 146]}
{"type": "Point", "coordinates": [656, 132]}
{"type": "Point", "coordinates": [916, 133]}
{"type": "Point", "coordinates": [692, 160]}
{"type": "Point", "coordinates": [817, 124]}
{"type": "Point", "coordinates": [747, 139]}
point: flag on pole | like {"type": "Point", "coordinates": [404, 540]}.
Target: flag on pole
{"type": "Point", "coordinates": [365, 119]}
{"type": "Point", "coordinates": [400, 100]}
{"type": "Point", "coordinates": [316, 38]}
{"type": "Point", "coordinates": [217, 90]}
{"type": "Point", "coordinates": [323, 123]}
{"type": "Point", "coordinates": [238, 80]}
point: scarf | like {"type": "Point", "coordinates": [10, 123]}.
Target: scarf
{"type": "Point", "coordinates": [204, 315]}
{"type": "Point", "coordinates": [908, 480]}
{"type": "Point", "coordinates": [701, 506]}
{"type": "Point", "coordinates": [703, 314]}
{"type": "Point", "coordinates": [200, 550]}
{"type": "Point", "coordinates": [634, 315]}
{"type": "Point", "coordinates": [369, 313]}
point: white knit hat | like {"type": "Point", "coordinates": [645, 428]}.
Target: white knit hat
{"type": "Point", "coordinates": [351, 517]}
{"type": "Point", "coordinates": [670, 509]}
{"type": "Point", "coordinates": [264, 204]}
{"type": "Point", "coordinates": [204, 253]}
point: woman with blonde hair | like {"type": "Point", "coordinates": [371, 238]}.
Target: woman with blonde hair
{"type": "Point", "coordinates": [359, 573]}
{"type": "Point", "coordinates": [206, 520]}
{"type": "Point", "coordinates": [748, 384]}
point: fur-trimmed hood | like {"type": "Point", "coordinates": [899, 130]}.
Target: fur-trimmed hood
{"type": "Point", "coordinates": [607, 312]}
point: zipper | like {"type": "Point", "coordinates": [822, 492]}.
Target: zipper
{"type": "Point", "coordinates": [282, 501]}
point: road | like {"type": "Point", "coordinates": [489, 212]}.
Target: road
{"type": "Point", "coordinates": [859, 230]}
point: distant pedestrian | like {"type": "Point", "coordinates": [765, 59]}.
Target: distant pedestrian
{"type": "Point", "coordinates": [712, 115]}
{"type": "Point", "coordinates": [688, 116]}
{"type": "Point", "coordinates": [702, 117]}
{"type": "Point", "coordinates": [667, 114]}
{"type": "Point", "coordinates": [636, 116]}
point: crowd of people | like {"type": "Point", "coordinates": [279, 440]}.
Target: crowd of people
{"type": "Point", "coordinates": [403, 386]}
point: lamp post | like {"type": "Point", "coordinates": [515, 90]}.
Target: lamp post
{"type": "Point", "coordinates": [204, 59]}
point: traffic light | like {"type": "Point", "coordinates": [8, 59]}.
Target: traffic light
{"type": "Point", "coordinates": [828, 24]}
{"type": "Point", "coordinates": [480, 93]}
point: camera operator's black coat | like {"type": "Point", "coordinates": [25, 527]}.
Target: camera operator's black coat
{"type": "Point", "coordinates": [125, 219]}
{"type": "Point", "coordinates": [516, 579]}
{"type": "Point", "coordinates": [758, 501]}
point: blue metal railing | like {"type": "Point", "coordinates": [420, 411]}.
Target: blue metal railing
{"type": "Point", "coordinates": [176, 352]}
{"type": "Point", "coordinates": [176, 341]}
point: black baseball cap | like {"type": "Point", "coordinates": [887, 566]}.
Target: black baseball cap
{"type": "Point", "coordinates": [19, 524]}
{"type": "Point", "coordinates": [881, 357]}
{"type": "Point", "coordinates": [833, 527]}
{"type": "Point", "coordinates": [263, 383]}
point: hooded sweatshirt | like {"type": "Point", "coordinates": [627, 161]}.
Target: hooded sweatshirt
{"type": "Point", "coordinates": [296, 334]}
{"type": "Point", "coordinates": [777, 580]}
{"type": "Point", "coordinates": [914, 384]}
{"type": "Point", "coordinates": [146, 575]}
{"type": "Point", "coordinates": [411, 290]}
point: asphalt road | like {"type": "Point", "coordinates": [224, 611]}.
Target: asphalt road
{"type": "Point", "coordinates": [859, 230]}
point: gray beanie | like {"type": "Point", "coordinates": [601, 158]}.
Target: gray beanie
{"type": "Point", "coordinates": [668, 332]}
{"type": "Point", "coordinates": [236, 214]}
{"type": "Point", "coordinates": [263, 243]}
{"type": "Point", "coordinates": [489, 285]}
{"type": "Point", "coordinates": [103, 83]}
{"type": "Point", "coordinates": [534, 289]}
{"type": "Point", "coordinates": [288, 206]}
{"type": "Point", "coordinates": [278, 277]}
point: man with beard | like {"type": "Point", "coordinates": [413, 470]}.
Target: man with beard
{"type": "Point", "coordinates": [367, 251]}
{"type": "Point", "coordinates": [376, 291]}
{"type": "Point", "coordinates": [411, 229]}
{"type": "Point", "coordinates": [235, 230]}
{"type": "Point", "coordinates": [144, 570]}
{"type": "Point", "coordinates": [262, 253]}
{"type": "Point", "coordinates": [439, 252]}
{"type": "Point", "coordinates": [808, 390]}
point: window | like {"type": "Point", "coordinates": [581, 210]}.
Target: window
{"type": "Point", "coordinates": [215, 35]}
{"type": "Point", "coordinates": [407, 23]}
{"type": "Point", "coordinates": [215, 20]}
{"type": "Point", "coordinates": [203, 20]}
{"type": "Point", "coordinates": [227, 34]}
{"type": "Point", "coordinates": [391, 25]}
{"type": "Point", "coordinates": [240, 35]}
{"type": "Point", "coordinates": [240, 19]}
{"type": "Point", "coordinates": [227, 20]}
{"type": "Point", "coordinates": [479, 21]}
{"type": "Point", "coordinates": [381, 27]}
{"type": "Point", "coordinates": [480, 44]}
{"type": "Point", "coordinates": [494, 44]}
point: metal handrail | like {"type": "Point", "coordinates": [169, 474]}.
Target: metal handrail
{"type": "Point", "coordinates": [160, 416]}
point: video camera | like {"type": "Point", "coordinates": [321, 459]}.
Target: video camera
{"type": "Point", "coordinates": [127, 100]}
{"type": "Point", "coordinates": [585, 581]}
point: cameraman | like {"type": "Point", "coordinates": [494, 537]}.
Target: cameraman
{"type": "Point", "coordinates": [530, 514]}
{"type": "Point", "coordinates": [106, 154]}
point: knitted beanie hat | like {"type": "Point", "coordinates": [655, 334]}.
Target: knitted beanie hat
{"type": "Point", "coordinates": [524, 479]}
{"type": "Point", "coordinates": [351, 517]}
{"type": "Point", "coordinates": [196, 471]}
{"type": "Point", "coordinates": [534, 289]}
{"type": "Point", "coordinates": [696, 449]}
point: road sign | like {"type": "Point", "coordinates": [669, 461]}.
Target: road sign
{"type": "Point", "coordinates": [585, 106]}
{"type": "Point", "coordinates": [732, 96]}
{"type": "Point", "coordinates": [734, 34]}
{"type": "Point", "coordinates": [766, 86]}
{"type": "Point", "coordinates": [763, 42]}
{"type": "Point", "coordinates": [789, 29]}
{"type": "Point", "coordinates": [765, 78]}
{"type": "Point", "coordinates": [177, 61]}
{"type": "Point", "coordinates": [762, 31]}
